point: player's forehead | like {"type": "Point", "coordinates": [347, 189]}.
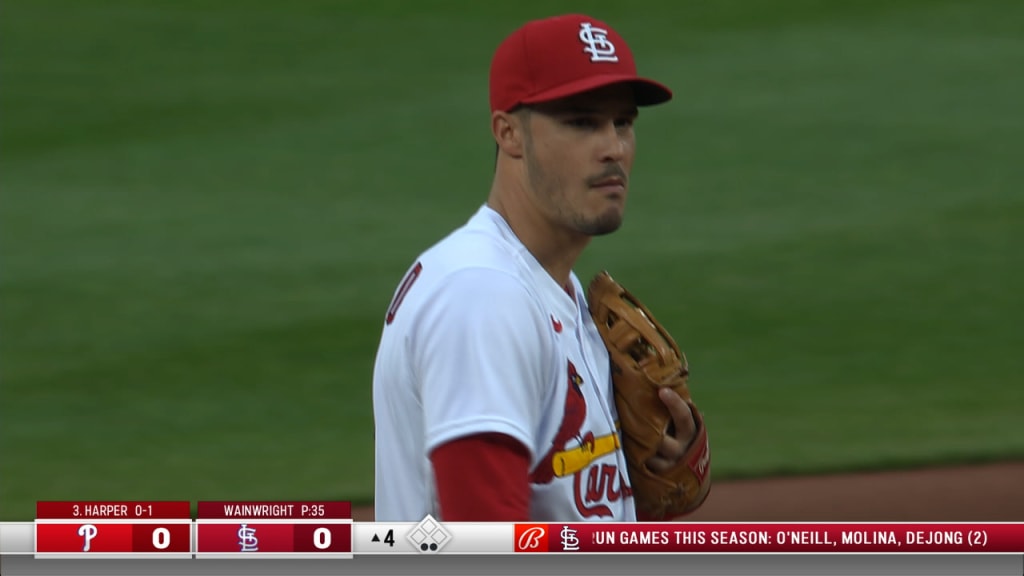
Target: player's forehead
{"type": "Point", "coordinates": [614, 100]}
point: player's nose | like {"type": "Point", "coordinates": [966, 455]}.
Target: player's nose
{"type": "Point", "coordinates": [615, 145]}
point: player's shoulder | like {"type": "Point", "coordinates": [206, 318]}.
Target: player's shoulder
{"type": "Point", "coordinates": [476, 265]}
{"type": "Point", "coordinates": [482, 247]}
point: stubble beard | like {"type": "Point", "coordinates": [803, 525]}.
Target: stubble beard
{"type": "Point", "coordinates": [551, 191]}
{"type": "Point", "coordinates": [604, 224]}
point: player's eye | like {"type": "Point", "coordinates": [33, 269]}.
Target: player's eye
{"type": "Point", "coordinates": [581, 122]}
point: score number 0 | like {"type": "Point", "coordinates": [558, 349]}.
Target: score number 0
{"type": "Point", "coordinates": [161, 538]}
{"type": "Point", "coordinates": [322, 538]}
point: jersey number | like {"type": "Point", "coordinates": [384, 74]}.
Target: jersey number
{"type": "Point", "coordinates": [407, 283]}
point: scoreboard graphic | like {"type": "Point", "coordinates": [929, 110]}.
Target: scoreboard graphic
{"type": "Point", "coordinates": [304, 530]}
{"type": "Point", "coordinates": [113, 529]}
{"type": "Point", "coordinates": [167, 530]}
{"type": "Point", "coordinates": [274, 529]}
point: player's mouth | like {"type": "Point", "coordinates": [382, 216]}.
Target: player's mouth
{"type": "Point", "coordinates": [613, 184]}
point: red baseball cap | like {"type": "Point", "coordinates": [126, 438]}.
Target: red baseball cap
{"type": "Point", "coordinates": [561, 56]}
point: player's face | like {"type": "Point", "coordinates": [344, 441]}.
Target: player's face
{"type": "Point", "coordinates": [579, 152]}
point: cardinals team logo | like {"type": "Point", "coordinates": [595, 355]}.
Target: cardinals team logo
{"type": "Point", "coordinates": [597, 43]}
{"type": "Point", "coordinates": [570, 542]}
{"type": "Point", "coordinates": [247, 540]}
{"type": "Point", "coordinates": [573, 451]}
{"type": "Point", "coordinates": [557, 461]}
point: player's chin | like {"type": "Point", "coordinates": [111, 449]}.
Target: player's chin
{"type": "Point", "coordinates": [607, 222]}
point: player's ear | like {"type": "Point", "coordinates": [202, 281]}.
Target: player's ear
{"type": "Point", "coordinates": [508, 132]}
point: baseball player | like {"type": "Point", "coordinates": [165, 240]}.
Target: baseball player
{"type": "Point", "coordinates": [492, 390]}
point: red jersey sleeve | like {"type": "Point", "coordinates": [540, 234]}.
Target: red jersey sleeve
{"type": "Point", "coordinates": [482, 478]}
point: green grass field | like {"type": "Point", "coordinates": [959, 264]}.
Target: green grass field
{"type": "Point", "coordinates": [207, 205]}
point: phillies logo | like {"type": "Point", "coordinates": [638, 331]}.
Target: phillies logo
{"type": "Point", "coordinates": [531, 538]}
{"type": "Point", "coordinates": [87, 532]}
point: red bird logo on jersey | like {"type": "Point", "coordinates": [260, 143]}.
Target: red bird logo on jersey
{"type": "Point", "coordinates": [572, 423]}
{"type": "Point", "coordinates": [573, 452]}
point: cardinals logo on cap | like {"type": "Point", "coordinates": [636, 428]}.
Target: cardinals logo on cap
{"type": "Point", "coordinates": [561, 56]}
{"type": "Point", "coordinates": [598, 46]}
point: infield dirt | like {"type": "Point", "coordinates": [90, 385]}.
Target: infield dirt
{"type": "Point", "coordinates": [992, 492]}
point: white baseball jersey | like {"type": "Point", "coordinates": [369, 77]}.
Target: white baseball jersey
{"type": "Point", "coordinates": [479, 338]}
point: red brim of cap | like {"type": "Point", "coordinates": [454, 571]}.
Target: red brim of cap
{"type": "Point", "coordinates": [647, 92]}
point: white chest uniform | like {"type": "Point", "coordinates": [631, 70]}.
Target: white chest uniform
{"type": "Point", "coordinates": [479, 338]}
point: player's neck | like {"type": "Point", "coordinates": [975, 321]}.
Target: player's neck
{"type": "Point", "coordinates": [555, 248]}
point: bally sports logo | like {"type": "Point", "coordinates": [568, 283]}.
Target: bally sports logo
{"type": "Point", "coordinates": [531, 538]}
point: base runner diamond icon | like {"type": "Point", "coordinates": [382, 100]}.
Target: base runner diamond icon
{"type": "Point", "coordinates": [429, 536]}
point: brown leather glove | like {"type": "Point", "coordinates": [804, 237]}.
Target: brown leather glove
{"type": "Point", "coordinates": [644, 359]}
